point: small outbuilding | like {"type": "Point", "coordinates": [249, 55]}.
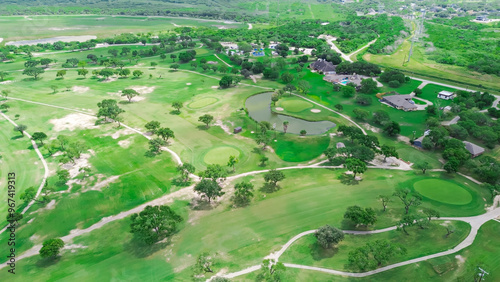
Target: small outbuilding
{"type": "Point", "coordinates": [237, 129]}
{"type": "Point", "coordinates": [473, 149]}
{"type": "Point", "coordinates": [446, 95]}
{"type": "Point", "coordinates": [340, 145]}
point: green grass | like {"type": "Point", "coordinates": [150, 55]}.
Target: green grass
{"type": "Point", "coordinates": [430, 92]}
{"type": "Point", "coordinates": [406, 88]}
{"type": "Point", "coordinates": [220, 155]}
{"type": "Point", "coordinates": [296, 105]}
{"type": "Point", "coordinates": [420, 242]}
{"type": "Point", "coordinates": [443, 191]}
{"type": "Point", "coordinates": [197, 104]}
{"type": "Point", "coordinates": [297, 149]}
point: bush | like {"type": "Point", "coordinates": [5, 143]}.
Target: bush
{"type": "Point", "coordinates": [394, 84]}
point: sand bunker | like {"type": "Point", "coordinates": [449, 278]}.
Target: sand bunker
{"type": "Point", "coordinates": [73, 121]}
{"type": "Point", "coordinates": [215, 87]}
{"type": "Point", "coordinates": [189, 83]}
{"type": "Point", "coordinates": [124, 143]}
{"type": "Point", "coordinates": [6, 82]}
{"type": "Point", "coordinates": [80, 89]}
{"type": "Point", "coordinates": [315, 111]}
{"type": "Point", "coordinates": [1, 39]}
{"type": "Point", "coordinates": [143, 89]}
{"type": "Point", "coordinates": [279, 109]}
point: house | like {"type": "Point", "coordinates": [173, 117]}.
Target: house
{"type": "Point", "coordinates": [237, 129]}
{"type": "Point", "coordinates": [446, 95]}
{"type": "Point", "coordinates": [474, 149]}
{"type": "Point", "coordinates": [323, 66]}
{"type": "Point", "coordinates": [418, 142]}
{"type": "Point", "coordinates": [400, 102]}
{"type": "Point", "coordinates": [340, 145]}
{"type": "Point", "coordinates": [482, 18]}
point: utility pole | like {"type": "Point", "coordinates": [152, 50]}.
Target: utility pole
{"type": "Point", "coordinates": [481, 274]}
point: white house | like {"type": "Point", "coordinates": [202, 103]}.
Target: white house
{"type": "Point", "coordinates": [446, 95]}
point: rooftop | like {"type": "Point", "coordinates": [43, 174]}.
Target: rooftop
{"type": "Point", "coordinates": [400, 101]}
{"type": "Point", "coordinates": [473, 148]}
{"type": "Point", "coordinates": [446, 93]}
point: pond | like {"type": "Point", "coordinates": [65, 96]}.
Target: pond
{"type": "Point", "coordinates": [259, 108]}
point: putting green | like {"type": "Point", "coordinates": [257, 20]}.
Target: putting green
{"type": "Point", "coordinates": [220, 155]}
{"type": "Point", "coordinates": [443, 191]}
{"type": "Point", "coordinates": [203, 102]}
{"type": "Point", "coordinates": [295, 105]}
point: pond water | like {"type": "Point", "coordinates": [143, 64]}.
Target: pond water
{"type": "Point", "coordinates": [81, 38]}
{"type": "Point", "coordinates": [259, 108]}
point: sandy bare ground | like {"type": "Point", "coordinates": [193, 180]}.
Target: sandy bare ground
{"type": "Point", "coordinates": [80, 89]}
{"type": "Point", "coordinates": [81, 38]}
{"type": "Point", "coordinates": [315, 111]}
{"type": "Point", "coordinates": [74, 121]}
{"type": "Point", "coordinates": [125, 143]}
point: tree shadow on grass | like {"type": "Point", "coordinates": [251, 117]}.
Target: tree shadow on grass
{"type": "Point", "coordinates": [16, 137]}
{"type": "Point", "coordinates": [180, 182]}
{"type": "Point", "coordinates": [269, 188]}
{"type": "Point", "coordinates": [150, 154]}
{"type": "Point", "coordinates": [175, 112]}
{"type": "Point", "coordinates": [140, 249]}
{"type": "Point", "coordinates": [347, 179]}
{"type": "Point", "coordinates": [200, 204]}
{"type": "Point", "coordinates": [124, 102]}
{"type": "Point", "coordinates": [202, 127]}
{"type": "Point", "coordinates": [80, 78]}
{"type": "Point", "coordinates": [46, 262]}
{"type": "Point", "coordinates": [318, 253]}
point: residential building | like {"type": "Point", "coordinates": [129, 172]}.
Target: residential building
{"type": "Point", "coordinates": [400, 102]}
{"type": "Point", "coordinates": [473, 149]}
{"type": "Point", "coordinates": [323, 66]}
{"type": "Point", "coordinates": [446, 95]}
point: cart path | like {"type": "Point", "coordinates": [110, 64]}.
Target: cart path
{"type": "Point", "coordinates": [222, 61]}
{"type": "Point", "coordinates": [186, 192]}
{"type": "Point", "coordinates": [360, 49]}
{"type": "Point", "coordinates": [474, 221]}
{"type": "Point", "coordinates": [44, 163]}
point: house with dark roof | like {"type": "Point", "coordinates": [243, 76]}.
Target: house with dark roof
{"type": "Point", "coordinates": [400, 102]}
{"type": "Point", "coordinates": [473, 149]}
{"type": "Point", "coordinates": [323, 67]}
{"type": "Point", "coordinates": [482, 18]}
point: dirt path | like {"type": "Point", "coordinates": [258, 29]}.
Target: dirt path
{"type": "Point", "coordinates": [310, 10]}
{"type": "Point", "coordinates": [329, 39]}
{"type": "Point", "coordinates": [222, 61]}
{"type": "Point", "coordinates": [45, 167]}
{"type": "Point", "coordinates": [364, 47]}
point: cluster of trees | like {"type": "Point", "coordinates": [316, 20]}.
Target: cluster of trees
{"type": "Point", "coordinates": [154, 224]}
{"type": "Point", "coordinates": [162, 133]}
{"type": "Point", "coordinates": [71, 149]}
{"type": "Point", "coordinates": [360, 67]}
{"type": "Point", "coordinates": [394, 78]}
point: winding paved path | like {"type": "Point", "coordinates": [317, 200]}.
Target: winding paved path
{"type": "Point", "coordinates": [474, 221]}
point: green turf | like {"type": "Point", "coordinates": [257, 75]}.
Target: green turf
{"type": "Point", "coordinates": [295, 106]}
{"type": "Point", "coordinates": [220, 155]}
{"type": "Point", "coordinates": [443, 191]}
{"type": "Point", "coordinates": [200, 103]}
{"type": "Point", "coordinates": [423, 242]}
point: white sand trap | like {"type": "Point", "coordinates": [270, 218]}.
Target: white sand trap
{"type": "Point", "coordinates": [189, 83]}
{"type": "Point", "coordinates": [109, 79]}
{"type": "Point", "coordinates": [124, 143]}
{"type": "Point", "coordinates": [315, 111]}
{"type": "Point", "coordinates": [143, 89]}
{"type": "Point", "coordinates": [74, 168]}
{"type": "Point", "coordinates": [80, 89]}
{"type": "Point", "coordinates": [118, 133]}
{"type": "Point", "coordinates": [101, 184]}
{"type": "Point", "coordinates": [1, 39]}
{"type": "Point", "coordinates": [279, 109]}
{"type": "Point", "coordinates": [215, 87]}
{"type": "Point", "coordinates": [7, 81]}
{"type": "Point", "coordinates": [73, 121]}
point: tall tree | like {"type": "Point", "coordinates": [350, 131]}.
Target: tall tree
{"type": "Point", "coordinates": [389, 151]}
{"type": "Point", "coordinates": [422, 165]}
{"type": "Point", "coordinates": [51, 248]}
{"type": "Point", "coordinates": [358, 215]}
{"type": "Point", "coordinates": [21, 128]}
{"type": "Point", "coordinates": [185, 169]}
{"type": "Point", "coordinates": [33, 71]}
{"type": "Point", "coordinates": [129, 93]}
{"type": "Point", "coordinates": [165, 133]}
{"type": "Point", "coordinates": [327, 236]}
{"type": "Point", "coordinates": [177, 105]}
{"type": "Point", "coordinates": [108, 108]}
{"type": "Point", "coordinates": [385, 200]}
{"type": "Point", "coordinates": [39, 136]}
{"type": "Point", "coordinates": [242, 193]}
{"type": "Point", "coordinates": [273, 176]}
{"type": "Point", "coordinates": [407, 198]}
{"type": "Point", "coordinates": [154, 223]}
{"type": "Point", "coordinates": [209, 189]}
{"type": "Point", "coordinates": [152, 126]}
{"type": "Point", "coordinates": [206, 119]}
{"type": "Point", "coordinates": [355, 165]}
{"type": "Point", "coordinates": [233, 160]}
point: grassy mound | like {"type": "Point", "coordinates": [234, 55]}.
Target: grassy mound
{"type": "Point", "coordinates": [295, 106]}
{"type": "Point", "coordinates": [443, 191]}
{"type": "Point", "coordinates": [220, 155]}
